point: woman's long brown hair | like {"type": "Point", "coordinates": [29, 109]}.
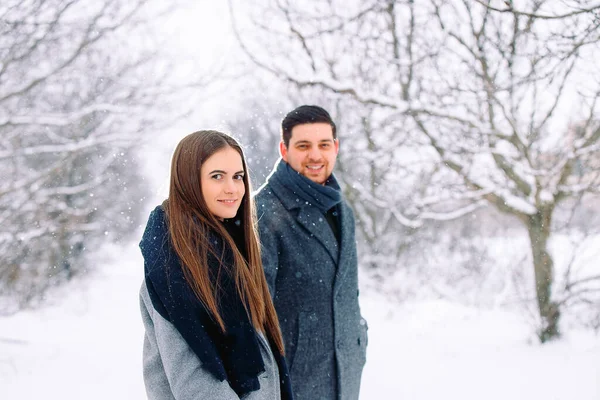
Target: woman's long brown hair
{"type": "Point", "coordinates": [189, 222]}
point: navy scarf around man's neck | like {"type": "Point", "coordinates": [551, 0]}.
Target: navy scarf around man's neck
{"type": "Point", "coordinates": [324, 197]}
{"type": "Point", "coordinates": [235, 355]}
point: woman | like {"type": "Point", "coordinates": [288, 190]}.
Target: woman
{"type": "Point", "coordinates": [211, 328]}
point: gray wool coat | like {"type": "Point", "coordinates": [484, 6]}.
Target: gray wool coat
{"type": "Point", "coordinates": [314, 284]}
{"type": "Point", "coordinates": [172, 371]}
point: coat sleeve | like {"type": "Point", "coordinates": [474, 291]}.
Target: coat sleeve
{"type": "Point", "coordinates": [172, 371]}
{"type": "Point", "coordinates": [269, 255]}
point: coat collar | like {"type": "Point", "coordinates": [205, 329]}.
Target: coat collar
{"type": "Point", "coordinates": [287, 197]}
{"type": "Point", "coordinates": [313, 220]}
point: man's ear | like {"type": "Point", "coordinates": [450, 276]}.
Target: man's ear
{"type": "Point", "coordinates": [283, 150]}
{"type": "Point", "coordinates": [336, 143]}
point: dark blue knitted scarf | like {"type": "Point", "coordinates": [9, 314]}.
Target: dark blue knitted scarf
{"type": "Point", "coordinates": [324, 197]}
{"type": "Point", "coordinates": [235, 355]}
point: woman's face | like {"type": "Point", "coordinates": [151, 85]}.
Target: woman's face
{"type": "Point", "coordinates": [222, 183]}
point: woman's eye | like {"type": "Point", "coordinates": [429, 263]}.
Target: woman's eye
{"type": "Point", "coordinates": [239, 177]}
{"type": "Point", "coordinates": [217, 177]}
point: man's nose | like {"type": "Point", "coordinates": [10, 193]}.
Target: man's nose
{"type": "Point", "coordinates": [314, 153]}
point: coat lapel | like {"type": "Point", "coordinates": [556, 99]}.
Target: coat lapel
{"type": "Point", "coordinates": [315, 223]}
{"type": "Point", "coordinates": [347, 242]}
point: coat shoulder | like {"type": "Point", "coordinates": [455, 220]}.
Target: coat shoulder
{"type": "Point", "coordinates": [346, 206]}
{"type": "Point", "coordinates": [267, 203]}
{"type": "Point", "coordinates": [264, 193]}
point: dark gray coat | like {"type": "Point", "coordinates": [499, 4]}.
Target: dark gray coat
{"type": "Point", "coordinates": [314, 284]}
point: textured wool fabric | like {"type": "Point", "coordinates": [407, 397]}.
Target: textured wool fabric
{"type": "Point", "coordinates": [173, 371]}
{"type": "Point", "coordinates": [324, 197]}
{"type": "Point", "coordinates": [235, 355]}
{"type": "Point", "coordinates": [313, 279]}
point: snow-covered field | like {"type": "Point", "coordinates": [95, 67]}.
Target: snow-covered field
{"type": "Point", "coordinates": [87, 345]}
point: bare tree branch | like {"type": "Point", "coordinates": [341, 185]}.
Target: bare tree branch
{"type": "Point", "coordinates": [510, 9]}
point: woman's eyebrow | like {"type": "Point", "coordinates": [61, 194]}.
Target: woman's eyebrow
{"type": "Point", "coordinates": [218, 171]}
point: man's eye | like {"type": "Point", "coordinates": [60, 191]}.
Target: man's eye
{"type": "Point", "coordinates": [302, 147]}
{"type": "Point", "coordinates": [325, 145]}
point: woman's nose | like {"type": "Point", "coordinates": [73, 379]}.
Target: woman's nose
{"type": "Point", "coordinates": [229, 186]}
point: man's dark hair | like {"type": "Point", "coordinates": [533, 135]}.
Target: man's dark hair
{"type": "Point", "coordinates": [304, 115]}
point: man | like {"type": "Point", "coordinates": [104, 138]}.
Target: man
{"type": "Point", "coordinates": [309, 256]}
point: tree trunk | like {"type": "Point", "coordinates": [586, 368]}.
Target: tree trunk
{"type": "Point", "coordinates": [538, 226]}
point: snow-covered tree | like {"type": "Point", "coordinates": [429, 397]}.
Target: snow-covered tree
{"type": "Point", "coordinates": [256, 121]}
{"type": "Point", "coordinates": [480, 101]}
{"type": "Point", "coordinates": [82, 84]}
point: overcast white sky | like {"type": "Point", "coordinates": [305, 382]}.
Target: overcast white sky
{"type": "Point", "coordinates": [199, 36]}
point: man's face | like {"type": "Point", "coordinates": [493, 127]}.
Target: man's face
{"type": "Point", "coordinates": [312, 151]}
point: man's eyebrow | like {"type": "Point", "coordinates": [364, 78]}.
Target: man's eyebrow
{"type": "Point", "coordinates": [308, 141]}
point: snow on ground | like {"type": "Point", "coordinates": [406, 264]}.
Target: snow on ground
{"type": "Point", "coordinates": [87, 345]}
{"type": "Point", "coordinates": [435, 350]}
